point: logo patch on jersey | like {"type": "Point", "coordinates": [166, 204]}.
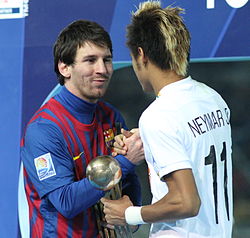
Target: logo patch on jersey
{"type": "Point", "coordinates": [44, 166]}
{"type": "Point", "coordinates": [109, 137]}
{"type": "Point", "coordinates": [78, 156]}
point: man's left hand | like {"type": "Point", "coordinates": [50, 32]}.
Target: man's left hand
{"type": "Point", "coordinates": [115, 210]}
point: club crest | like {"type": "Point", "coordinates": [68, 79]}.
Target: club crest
{"type": "Point", "coordinates": [109, 137]}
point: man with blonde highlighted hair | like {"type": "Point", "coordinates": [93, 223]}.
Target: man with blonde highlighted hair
{"type": "Point", "coordinates": [186, 136]}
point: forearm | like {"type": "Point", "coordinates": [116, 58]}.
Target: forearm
{"type": "Point", "coordinates": [74, 198]}
{"type": "Point", "coordinates": [130, 182]}
{"type": "Point", "coordinates": [132, 188]}
{"type": "Point", "coordinates": [182, 200]}
{"type": "Point", "coordinates": [169, 209]}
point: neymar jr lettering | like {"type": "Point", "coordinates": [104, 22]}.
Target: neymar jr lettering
{"type": "Point", "coordinates": [209, 121]}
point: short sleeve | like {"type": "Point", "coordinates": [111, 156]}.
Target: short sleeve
{"type": "Point", "coordinates": [163, 143]}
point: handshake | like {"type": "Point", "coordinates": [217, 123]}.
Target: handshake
{"type": "Point", "coordinates": [129, 144]}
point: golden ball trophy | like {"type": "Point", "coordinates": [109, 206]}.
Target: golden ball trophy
{"type": "Point", "coordinates": [104, 173]}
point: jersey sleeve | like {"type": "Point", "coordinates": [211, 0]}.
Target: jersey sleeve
{"type": "Point", "coordinates": [74, 198]}
{"type": "Point", "coordinates": [46, 157]}
{"type": "Point", "coordinates": [163, 143]}
{"type": "Point", "coordinates": [132, 188]}
{"type": "Point", "coordinates": [130, 181]}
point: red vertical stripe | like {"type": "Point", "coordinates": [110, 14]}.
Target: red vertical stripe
{"type": "Point", "coordinates": [78, 226]}
{"type": "Point", "coordinates": [62, 226]}
{"type": "Point", "coordinates": [108, 112]}
{"type": "Point", "coordinates": [34, 207]}
{"type": "Point", "coordinates": [75, 145]}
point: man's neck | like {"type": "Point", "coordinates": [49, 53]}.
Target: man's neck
{"type": "Point", "coordinates": [161, 78]}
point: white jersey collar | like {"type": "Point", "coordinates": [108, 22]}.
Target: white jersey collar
{"type": "Point", "coordinates": [174, 85]}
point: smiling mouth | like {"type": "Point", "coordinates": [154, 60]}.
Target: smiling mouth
{"type": "Point", "coordinates": [101, 79]}
{"type": "Point", "coordinates": [102, 83]}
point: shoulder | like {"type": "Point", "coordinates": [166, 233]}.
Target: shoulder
{"type": "Point", "coordinates": [158, 112]}
{"type": "Point", "coordinates": [158, 118]}
{"type": "Point", "coordinates": [43, 125]}
{"type": "Point", "coordinates": [47, 115]}
{"type": "Point", "coordinates": [42, 131]}
{"type": "Point", "coordinates": [108, 109]}
{"type": "Point", "coordinates": [200, 88]}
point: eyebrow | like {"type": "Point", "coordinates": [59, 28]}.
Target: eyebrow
{"type": "Point", "coordinates": [109, 56]}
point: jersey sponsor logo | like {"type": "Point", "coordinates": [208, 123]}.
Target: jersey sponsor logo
{"type": "Point", "coordinates": [44, 166]}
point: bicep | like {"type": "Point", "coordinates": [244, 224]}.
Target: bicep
{"type": "Point", "coordinates": [44, 150]}
{"type": "Point", "coordinates": [181, 186]}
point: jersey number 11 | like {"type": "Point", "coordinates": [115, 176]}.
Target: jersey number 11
{"type": "Point", "coordinates": [211, 159]}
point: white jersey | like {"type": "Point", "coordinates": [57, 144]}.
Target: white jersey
{"type": "Point", "coordinates": [187, 126]}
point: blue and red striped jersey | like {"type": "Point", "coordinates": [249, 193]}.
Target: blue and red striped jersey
{"type": "Point", "coordinates": [55, 151]}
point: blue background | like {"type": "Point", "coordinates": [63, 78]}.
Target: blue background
{"type": "Point", "coordinates": [26, 64]}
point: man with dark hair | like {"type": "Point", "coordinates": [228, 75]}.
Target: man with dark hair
{"type": "Point", "coordinates": [186, 136]}
{"type": "Point", "coordinates": [66, 133]}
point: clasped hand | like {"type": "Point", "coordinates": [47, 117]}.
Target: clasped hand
{"type": "Point", "coordinates": [129, 144]}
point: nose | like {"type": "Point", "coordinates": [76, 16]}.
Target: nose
{"type": "Point", "coordinates": [101, 67]}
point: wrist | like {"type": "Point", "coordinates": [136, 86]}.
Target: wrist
{"type": "Point", "coordinates": [125, 163]}
{"type": "Point", "coordinates": [133, 215]}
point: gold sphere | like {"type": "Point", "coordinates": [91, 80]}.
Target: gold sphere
{"type": "Point", "coordinates": [104, 172]}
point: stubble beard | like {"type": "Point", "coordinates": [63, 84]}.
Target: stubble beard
{"type": "Point", "coordinates": [95, 93]}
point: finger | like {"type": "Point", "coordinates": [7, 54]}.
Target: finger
{"type": "Point", "coordinates": [117, 145]}
{"type": "Point", "coordinates": [105, 224]}
{"type": "Point", "coordinates": [108, 219]}
{"type": "Point", "coordinates": [125, 197]}
{"type": "Point", "coordinates": [134, 139]}
{"type": "Point", "coordinates": [119, 140]}
{"type": "Point", "coordinates": [120, 152]}
{"type": "Point", "coordinates": [104, 200]}
{"type": "Point", "coordinates": [127, 134]}
{"type": "Point", "coordinates": [134, 130]}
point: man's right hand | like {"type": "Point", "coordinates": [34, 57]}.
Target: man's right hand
{"type": "Point", "coordinates": [129, 144]}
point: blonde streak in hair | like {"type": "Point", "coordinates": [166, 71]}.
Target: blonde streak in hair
{"type": "Point", "coordinates": [183, 41]}
{"type": "Point", "coordinates": [148, 5]}
{"type": "Point", "coordinates": [178, 61]}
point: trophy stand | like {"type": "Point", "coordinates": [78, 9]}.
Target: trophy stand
{"type": "Point", "coordinates": [104, 173]}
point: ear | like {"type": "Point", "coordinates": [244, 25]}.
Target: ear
{"type": "Point", "coordinates": [64, 69]}
{"type": "Point", "coordinates": [142, 56]}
